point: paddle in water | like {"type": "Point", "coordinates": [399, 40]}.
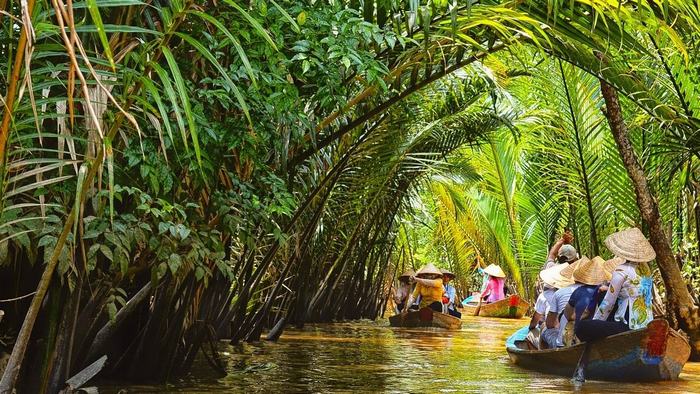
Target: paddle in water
{"type": "Point", "coordinates": [478, 306]}
{"type": "Point", "coordinates": [580, 372]}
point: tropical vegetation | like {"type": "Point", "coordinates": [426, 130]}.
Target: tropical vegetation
{"type": "Point", "coordinates": [173, 172]}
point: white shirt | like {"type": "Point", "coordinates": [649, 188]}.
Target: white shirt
{"type": "Point", "coordinates": [632, 291]}
{"type": "Point", "coordinates": [561, 299]}
{"type": "Point", "coordinates": [543, 301]}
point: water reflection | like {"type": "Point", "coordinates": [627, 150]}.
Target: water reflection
{"type": "Point", "coordinates": [370, 356]}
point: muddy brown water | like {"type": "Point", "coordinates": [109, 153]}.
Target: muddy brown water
{"type": "Point", "coordinates": [368, 356]}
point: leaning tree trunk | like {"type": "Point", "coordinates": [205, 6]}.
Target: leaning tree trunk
{"type": "Point", "coordinates": [681, 310]}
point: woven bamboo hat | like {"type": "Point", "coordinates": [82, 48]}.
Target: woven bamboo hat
{"type": "Point", "coordinates": [407, 274]}
{"type": "Point", "coordinates": [610, 265]}
{"type": "Point", "coordinates": [590, 272]}
{"type": "Point", "coordinates": [429, 269]}
{"type": "Point", "coordinates": [553, 277]}
{"type": "Point", "coordinates": [447, 273]}
{"type": "Point", "coordinates": [495, 270]}
{"type": "Point", "coordinates": [568, 272]}
{"type": "Point", "coordinates": [631, 245]}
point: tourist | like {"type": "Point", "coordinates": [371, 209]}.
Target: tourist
{"type": "Point", "coordinates": [562, 251]}
{"type": "Point", "coordinates": [631, 288]}
{"type": "Point", "coordinates": [551, 278]}
{"type": "Point", "coordinates": [494, 287]}
{"type": "Point", "coordinates": [403, 290]}
{"type": "Point", "coordinates": [428, 287]}
{"type": "Point", "coordinates": [450, 293]}
{"type": "Point", "coordinates": [557, 279]}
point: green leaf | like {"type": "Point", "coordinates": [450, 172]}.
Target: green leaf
{"type": "Point", "coordinates": [199, 47]}
{"type": "Point", "coordinates": [234, 41]}
{"type": "Point", "coordinates": [286, 16]}
{"type": "Point", "coordinates": [172, 96]}
{"type": "Point", "coordinates": [95, 15]}
{"type": "Point", "coordinates": [301, 18]}
{"type": "Point", "coordinates": [253, 22]}
{"type": "Point", "coordinates": [184, 97]}
{"type": "Point", "coordinates": [107, 252]}
{"type": "Point", "coordinates": [174, 262]}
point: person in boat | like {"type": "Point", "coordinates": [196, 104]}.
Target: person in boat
{"type": "Point", "coordinates": [494, 287]}
{"type": "Point", "coordinates": [595, 276]}
{"type": "Point", "coordinates": [630, 289]}
{"type": "Point", "coordinates": [555, 279]}
{"type": "Point", "coordinates": [562, 251]}
{"type": "Point", "coordinates": [450, 293]}
{"type": "Point", "coordinates": [429, 288]}
{"type": "Point", "coordinates": [403, 290]}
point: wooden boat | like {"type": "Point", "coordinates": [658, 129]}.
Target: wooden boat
{"type": "Point", "coordinates": [654, 353]}
{"type": "Point", "coordinates": [512, 307]}
{"type": "Point", "coordinates": [425, 317]}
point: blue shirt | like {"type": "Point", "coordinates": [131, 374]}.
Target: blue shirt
{"type": "Point", "coordinates": [451, 294]}
{"type": "Point", "coordinates": [583, 298]}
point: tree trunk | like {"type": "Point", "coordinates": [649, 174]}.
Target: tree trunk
{"type": "Point", "coordinates": [681, 310]}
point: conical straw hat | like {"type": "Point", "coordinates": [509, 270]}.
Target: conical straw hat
{"type": "Point", "coordinates": [552, 276]}
{"type": "Point", "coordinates": [407, 274]}
{"type": "Point", "coordinates": [495, 270]}
{"type": "Point", "coordinates": [568, 272]}
{"type": "Point", "coordinates": [610, 265]}
{"type": "Point", "coordinates": [631, 245]}
{"type": "Point", "coordinates": [429, 269]}
{"type": "Point", "coordinates": [448, 273]}
{"type": "Point", "coordinates": [590, 272]}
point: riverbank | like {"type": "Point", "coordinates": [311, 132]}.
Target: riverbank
{"type": "Point", "coordinates": [370, 356]}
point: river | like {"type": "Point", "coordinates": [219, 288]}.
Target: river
{"type": "Point", "coordinates": [368, 356]}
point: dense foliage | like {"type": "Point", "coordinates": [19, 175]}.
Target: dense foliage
{"type": "Point", "coordinates": [228, 167]}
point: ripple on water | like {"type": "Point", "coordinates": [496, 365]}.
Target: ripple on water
{"type": "Point", "coordinates": [370, 356]}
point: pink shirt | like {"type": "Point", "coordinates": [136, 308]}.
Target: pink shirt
{"type": "Point", "coordinates": [494, 289]}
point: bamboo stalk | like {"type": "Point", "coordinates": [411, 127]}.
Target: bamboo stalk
{"type": "Point", "coordinates": [10, 97]}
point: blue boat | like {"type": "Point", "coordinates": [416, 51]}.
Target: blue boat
{"type": "Point", "coordinates": [654, 353]}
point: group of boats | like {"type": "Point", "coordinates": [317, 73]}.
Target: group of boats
{"type": "Point", "coordinates": [654, 353]}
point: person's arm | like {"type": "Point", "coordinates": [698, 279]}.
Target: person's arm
{"type": "Point", "coordinates": [610, 299]}
{"type": "Point", "coordinates": [554, 251]}
{"type": "Point", "coordinates": [429, 282]}
{"type": "Point", "coordinates": [569, 312]}
{"type": "Point", "coordinates": [552, 320]}
{"type": "Point", "coordinates": [536, 317]}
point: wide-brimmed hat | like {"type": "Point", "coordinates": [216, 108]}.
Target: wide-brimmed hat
{"type": "Point", "coordinates": [447, 273]}
{"type": "Point", "coordinates": [407, 274]}
{"type": "Point", "coordinates": [631, 245]}
{"type": "Point", "coordinates": [569, 252]}
{"type": "Point", "coordinates": [568, 272]}
{"type": "Point", "coordinates": [495, 270]}
{"type": "Point", "coordinates": [429, 269]}
{"type": "Point", "coordinates": [590, 272]}
{"type": "Point", "coordinates": [553, 277]}
{"type": "Point", "coordinates": [610, 265]}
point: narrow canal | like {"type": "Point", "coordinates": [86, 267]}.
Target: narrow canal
{"type": "Point", "coordinates": [370, 356]}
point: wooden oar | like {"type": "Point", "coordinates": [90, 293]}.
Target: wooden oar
{"type": "Point", "coordinates": [580, 372]}
{"type": "Point", "coordinates": [478, 306]}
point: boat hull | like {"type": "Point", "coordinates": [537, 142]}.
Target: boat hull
{"type": "Point", "coordinates": [511, 307]}
{"type": "Point", "coordinates": [654, 353]}
{"type": "Point", "coordinates": [425, 317]}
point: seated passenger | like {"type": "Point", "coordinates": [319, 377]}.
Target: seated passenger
{"type": "Point", "coordinates": [403, 290]}
{"type": "Point", "coordinates": [450, 294]}
{"type": "Point", "coordinates": [494, 288]}
{"type": "Point", "coordinates": [555, 280]}
{"type": "Point", "coordinates": [631, 288]}
{"type": "Point", "coordinates": [591, 274]}
{"type": "Point", "coordinates": [428, 287]}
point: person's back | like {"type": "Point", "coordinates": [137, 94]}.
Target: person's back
{"type": "Point", "coordinates": [495, 289]}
